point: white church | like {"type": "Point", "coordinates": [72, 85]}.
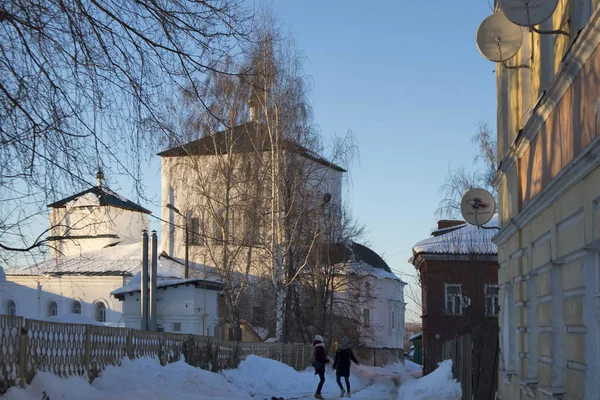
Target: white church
{"type": "Point", "coordinates": [94, 270]}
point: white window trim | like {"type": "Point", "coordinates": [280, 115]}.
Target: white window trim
{"type": "Point", "coordinates": [460, 305]}
{"type": "Point", "coordinates": [487, 314]}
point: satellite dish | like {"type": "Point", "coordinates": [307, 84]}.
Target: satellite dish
{"type": "Point", "coordinates": [498, 39]}
{"type": "Point", "coordinates": [478, 207]}
{"type": "Point", "coordinates": [528, 12]}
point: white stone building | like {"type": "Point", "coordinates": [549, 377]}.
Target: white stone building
{"type": "Point", "coordinates": [183, 305]}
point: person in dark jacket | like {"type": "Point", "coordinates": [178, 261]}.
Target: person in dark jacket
{"type": "Point", "coordinates": [341, 364]}
{"type": "Point", "coordinates": [319, 363]}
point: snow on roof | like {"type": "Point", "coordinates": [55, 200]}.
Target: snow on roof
{"type": "Point", "coordinates": [415, 336]}
{"type": "Point", "coordinates": [467, 239]}
{"type": "Point", "coordinates": [99, 196]}
{"type": "Point", "coordinates": [363, 268]}
{"type": "Point", "coordinates": [261, 332]}
{"type": "Point", "coordinates": [74, 319]}
{"type": "Point", "coordinates": [134, 284]}
{"type": "Point", "coordinates": [116, 260]}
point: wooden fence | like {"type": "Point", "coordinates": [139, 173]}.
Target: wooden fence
{"type": "Point", "coordinates": [474, 365]}
{"type": "Point", "coordinates": [27, 346]}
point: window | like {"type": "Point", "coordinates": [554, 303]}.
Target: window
{"type": "Point", "coordinates": [11, 308]}
{"type": "Point", "coordinates": [219, 227]}
{"type": "Point", "coordinates": [100, 312]}
{"type": "Point", "coordinates": [453, 298]}
{"type": "Point", "coordinates": [366, 318]}
{"type": "Point", "coordinates": [52, 309]}
{"type": "Point", "coordinates": [491, 300]}
{"type": "Point", "coordinates": [176, 326]}
{"type": "Point", "coordinates": [195, 231]}
{"type": "Point", "coordinates": [76, 307]}
{"type": "Point", "coordinates": [393, 321]}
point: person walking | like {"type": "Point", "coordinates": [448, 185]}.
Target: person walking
{"type": "Point", "coordinates": [341, 364]}
{"type": "Point", "coordinates": [319, 363]}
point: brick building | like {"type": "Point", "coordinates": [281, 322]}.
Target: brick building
{"type": "Point", "coordinates": [458, 271]}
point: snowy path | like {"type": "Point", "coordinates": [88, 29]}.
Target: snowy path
{"type": "Point", "coordinates": [256, 378]}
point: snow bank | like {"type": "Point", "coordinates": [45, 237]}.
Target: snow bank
{"type": "Point", "coordinates": [142, 378]}
{"type": "Point", "coordinates": [256, 377]}
{"type": "Point", "coordinates": [265, 376]}
{"type": "Point", "coordinates": [438, 385]}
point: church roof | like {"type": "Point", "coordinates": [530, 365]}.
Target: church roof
{"type": "Point", "coordinates": [361, 259]}
{"type": "Point", "coordinates": [119, 260]}
{"type": "Point", "coordinates": [105, 197]}
{"type": "Point", "coordinates": [251, 136]}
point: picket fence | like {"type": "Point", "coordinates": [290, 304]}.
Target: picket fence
{"type": "Point", "coordinates": [63, 349]}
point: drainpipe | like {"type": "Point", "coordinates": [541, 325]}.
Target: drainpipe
{"type": "Point", "coordinates": [153, 283]}
{"type": "Point", "coordinates": [144, 283]}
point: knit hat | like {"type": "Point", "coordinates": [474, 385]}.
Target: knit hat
{"type": "Point", "coordinates": [344, 343]}
{"type": "Point", "coordinates": [319, 338]}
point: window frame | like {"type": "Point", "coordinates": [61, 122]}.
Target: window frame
{"type": "Point", "coordinates": [97, 310]}
{"type": "Point", "coordinates": [76, 303]}
{"type": "Point", "coordinates": [454, 296]}
{"type": "Point", "coordinates": [496, 305]}
{"type": "Point", "coordinates": [11, 308]}
{"type": "Point", "coordinates": [49, 308]}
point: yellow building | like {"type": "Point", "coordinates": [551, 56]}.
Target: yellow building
{"type": "Point", "coordinates": [549, 199]}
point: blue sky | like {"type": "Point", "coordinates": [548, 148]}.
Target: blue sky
{"type": "Point", "coordinates": [407, 79]}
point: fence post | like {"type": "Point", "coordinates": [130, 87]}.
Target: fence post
{"type": "Point", "coordinates": [23, 353]}
{"type": "Point", "coordinates": [128, 345]}
{"type": "Point", "coordinates": [161, 350]}
{"type": "Point", "coordinates": [87, 349]}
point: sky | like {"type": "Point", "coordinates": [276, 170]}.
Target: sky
{"type": "Point", "coordinates": [407, 79]}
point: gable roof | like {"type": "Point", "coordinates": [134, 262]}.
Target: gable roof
{"type": "Point", "coordinates": [119, 260]}
{"type": "Point", "coordinates": [106, 197]}
{"type": "Point", "coordinates": [251, 136]}
{"type": "Point", "coordinates": [463, 239]}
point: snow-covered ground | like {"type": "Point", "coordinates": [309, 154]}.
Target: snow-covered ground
{"type": "Point", "coordinates": [256, 377]}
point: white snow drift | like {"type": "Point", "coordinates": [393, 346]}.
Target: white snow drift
{"type": "Point", "coordinates": [256, 377]}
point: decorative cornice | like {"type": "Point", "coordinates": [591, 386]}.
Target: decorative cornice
{"type": "Point", "coordinates": [577, 55]}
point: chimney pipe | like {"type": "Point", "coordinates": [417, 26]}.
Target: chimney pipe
{"type": "Point", "coordinates": [144, 283]}
{"type": "Point", "coordinates": [153, 282]}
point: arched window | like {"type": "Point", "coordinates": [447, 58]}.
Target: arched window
{"type": "Point", "coordinates": [52, 309]}
{"type": "Point", "coordinates": [11, 308]}
{"type": "Point", "coordinates": [100, 312]}
{"type": "Point", "coordinates": [76, 307]}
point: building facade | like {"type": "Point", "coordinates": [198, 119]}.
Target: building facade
{"type": "Point", "coordinates": [458, 271]}
{"type": "Point", "coordinates": [549, 198]}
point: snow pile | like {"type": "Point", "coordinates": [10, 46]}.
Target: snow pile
{"type": "Point", "coordinates": [439, 385]}
{"type": "Point", "coordinates": [256, 377]}
{"type": "Point", "coordinates": [74, 319]}
{"type": "Point", "coordinates": [142, 378]}
{"type": "Point", "coordinates": [262, 375]}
